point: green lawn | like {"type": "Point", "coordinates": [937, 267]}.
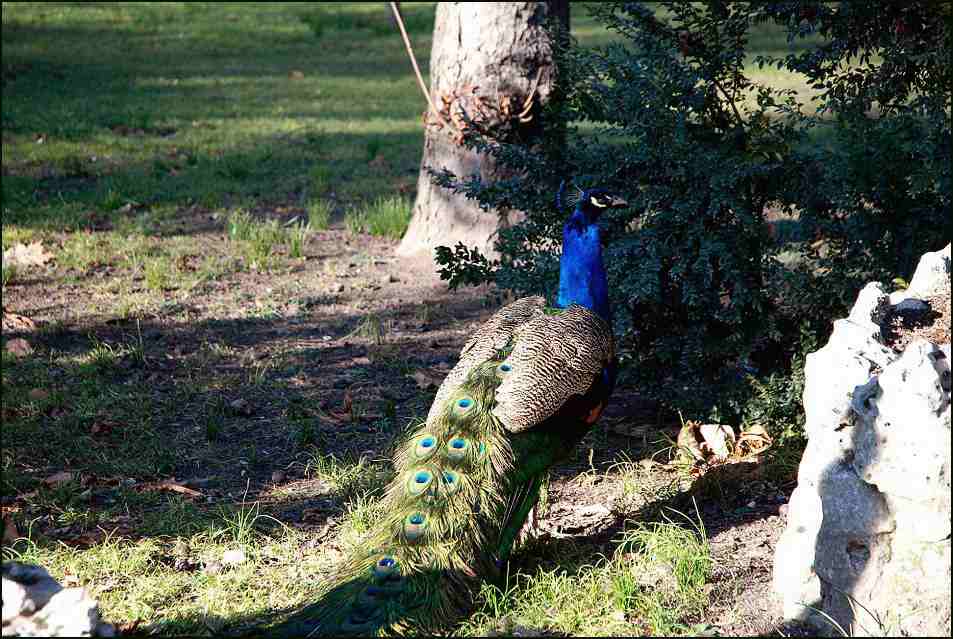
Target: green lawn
{"type": "Point", "coordinates": [183, 163]}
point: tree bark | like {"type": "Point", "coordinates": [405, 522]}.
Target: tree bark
{"type": "Point", "coordinates": [489, 60]}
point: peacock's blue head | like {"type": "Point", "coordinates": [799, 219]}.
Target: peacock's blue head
{"type": "Point", "coordinates": [594, 202]}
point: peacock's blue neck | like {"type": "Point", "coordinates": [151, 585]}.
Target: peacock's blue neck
{"type": "Point", "coordinates": [582, 276]}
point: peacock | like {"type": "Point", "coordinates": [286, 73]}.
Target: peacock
{"type": "Point", "coordinates": [529, 384]}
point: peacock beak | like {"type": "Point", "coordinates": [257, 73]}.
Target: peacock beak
{"type": "Point", "coordinates": [618, 202]}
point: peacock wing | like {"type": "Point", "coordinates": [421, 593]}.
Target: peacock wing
{"type": "Point", "coordinates": [493, 336]}
{"type": "Point", "coordinates": [555, 357]}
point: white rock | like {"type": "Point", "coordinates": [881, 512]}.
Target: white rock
{"type": "Point", "coordinates": [870, 517]}
{"type": "Point", "coordinates": [933, 273]}
{"type": "Point", "coordinates": [15, 600]}
{"type": "Point", "coordinates": [34, 605]}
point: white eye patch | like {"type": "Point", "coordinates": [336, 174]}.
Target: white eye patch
{"type": "Point", "coordinates": [596, 202]}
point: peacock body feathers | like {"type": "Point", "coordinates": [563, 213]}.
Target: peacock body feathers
{"type": "Point", "coordinates": [529, 384]}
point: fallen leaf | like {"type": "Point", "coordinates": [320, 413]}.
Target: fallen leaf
{"type": "Point", "coordinates": [426, 379]}
{"type": "Point", "coordinates": [38, 394]}
{"type": "Point", "coordinates": [10, 532]}
{"type": "Point", "coordinates": [13, 322]}
{"type": "Point", "coordinates": [296, 75]}
{"type": "Point", "coordinates": [103, 427]}
{"type": "Point", "coordinates": [754, 440]}
{"type": "Point", "coordinates": [89, 538]}
{"type": "Point", "coordinates": [242, 407]}
{"type": "Point", "coordinates": [170, 485]}
{"type": "Point", "coordinates": [32, 254]}
{"type": "Point", "coordinates": [688, 441]}
{"type": "Point", "coordinates": [59, 478]}
{"type": "Point", "coordinates": [716, 438]}
{"type": "Point", "coordinates": [128, 627]}
{"type": "Point", "coordinates": [18, 347]}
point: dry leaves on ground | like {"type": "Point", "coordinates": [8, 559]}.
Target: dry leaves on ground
{"type": "Point", "coordinates": [59, 478]}
{"type": "Point", "coordinates": [14, 323]}
{"type": "Point", "coordinates": [171, 485]}
{"type": "Point", "coordinates": [715, 444]}
{"type": "Point", "coordinates": [426, 378]}
{"type": "Point", "coordinates": [18, 347]}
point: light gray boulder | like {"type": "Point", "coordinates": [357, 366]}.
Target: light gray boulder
{"type": "Point", "coordinates": [35, 605]}
{"type": "Point", "coordinates": [867, 541]}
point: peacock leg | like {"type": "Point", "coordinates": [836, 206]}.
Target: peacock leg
{"type": "Point", "coordinates": [512, 530]}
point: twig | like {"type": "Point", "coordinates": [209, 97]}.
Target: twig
{"type": "Point", "coordinates": [413, 61]}
{"type": "Point", "coordinates": [730, 101]}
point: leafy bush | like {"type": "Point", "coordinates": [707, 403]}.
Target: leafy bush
{"type": "Point", "coordinates": [700, 293]}
{"type": "Point", "coordinates": [874, 192]}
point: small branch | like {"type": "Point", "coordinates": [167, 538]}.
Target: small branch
{"type": "Point", "coordinates": [718, 86]}
{"type": "Point", "coordinates": [413, 61]}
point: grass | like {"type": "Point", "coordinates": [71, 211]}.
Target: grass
{"type": "Point", "coordinates": [652, 584]}
{"type": "Point", "coordinates": [179, 159]}
{"type": "Point", "coordinates": [385, 216]}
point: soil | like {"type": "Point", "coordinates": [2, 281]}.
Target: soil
{"type": "Point", "coordinates": [358, 334]}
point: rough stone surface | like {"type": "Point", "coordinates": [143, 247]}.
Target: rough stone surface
{"type": "Point", "coordinates": [868, 534]}
{"type": "Point", "coordinates": [35, 605]}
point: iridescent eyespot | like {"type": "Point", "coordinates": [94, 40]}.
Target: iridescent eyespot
{"type": "Point", "coordinates": [464, 403]}
{"type": "Point", "coordinates": [506, 368]}
{"type": "Point", "coordinates": [385, 567]}
{"type": "Point", "coordinates": [415, 525]}
{"type": "Point", "coordinates": [425, 446]}
{"type": "Point", "coordinates": [457, 448]}
{"type": "Point", "coordinates": [451, 482]}
{"type": "Point", "coordinates": [419, 482]}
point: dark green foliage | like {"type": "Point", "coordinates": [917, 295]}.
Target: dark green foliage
{"type": "Point", "coordinates": [668, 118]}
{"type": "Point", "coordinates": [875, 185]}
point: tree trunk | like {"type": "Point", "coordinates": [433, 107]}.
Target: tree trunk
{"type": "Point", "coordinates": [492, 61]}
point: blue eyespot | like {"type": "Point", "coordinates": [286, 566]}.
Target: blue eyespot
{"type": "Point", "coordinates": [506, 368]}
{"type": "Point", "coordinates": [386, 562]}
{"type": "Point", "coordinates": [416, 519]}
{"type": "Point", "coordinates": [447, 477]}
{"type": "Point", "coordinates": [464, 403]}
{"type": "Point", "coordinates": [422, 477]}
{"type": "Point", "coordinates": [428, 442]}
{"type": "Point", "coordinates": [457, 443]}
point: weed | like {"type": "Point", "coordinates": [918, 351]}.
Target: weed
{"type": "Point", "coordinates": [371, 148]}
{"type": "Point", "coordinates": [320, 177]}
{"type": "Point", "coordinates": [347, 478]}
{"type": "Point", "coordinates": [385, 216]}
{"type": "Point", "coordinates": [111, 201]}
{"type": "Point", "coordinates": [158, 274]}
{"type": "Point", "coordinates": [240, 524]}
{"type": "Point", "coordinates": [240, 225]}
{"type": "Point", "coordinates": [372, 328]}
{"type": "Point", "coordinates": [9, 272]}
{"type": "Point", "coordinates": [319, 214]}
{"type": "Point", "coordinates": [297, 237]}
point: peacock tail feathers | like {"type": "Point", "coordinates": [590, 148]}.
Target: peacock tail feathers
{"type": "Point", "coordinates": [415, 569]}
{"type": "Point", "coordinates": [467, 477]}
